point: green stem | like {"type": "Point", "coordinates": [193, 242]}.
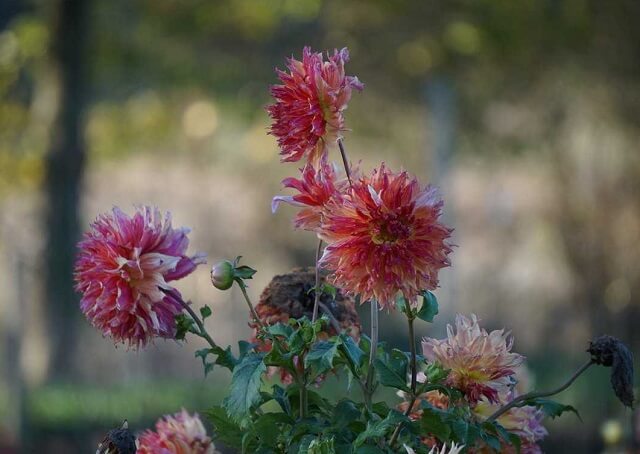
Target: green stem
{"type": "Point", "coordinates": [536, 395]}
{"type": "Point", "coordinates": [369, 388]}
{"type": "Point", "coordinates": [414, 377]}
{"type": "Point", "coordinates": [345, 161]}
{"type": "Point", "coordinates": [202, 330]}
{"type": "Point", "coordinates": [243, 288]}
{"type": "Point", "coordinates": [317, 291]}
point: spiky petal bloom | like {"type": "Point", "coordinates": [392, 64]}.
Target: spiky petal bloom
{"type": "Point", "coordinates": [385, 237]}
{"type": "Point", "coordinates": [453, 449]}
{"type": "Point", "coordinates": [180, 433]}
{"type": "Point", "coordinates": [316, 189]}
{"type": "Point", "coordinates": [481, 364]}
{"type": "Point", "coordinates": [123, 271]}
{"type": "Point", "coordinates": [526, 422]}
{"type": "Point", "coordinates": [308, 112]}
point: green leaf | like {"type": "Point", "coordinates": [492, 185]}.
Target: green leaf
{"type": "Point", "coordinates": [225, 429]}
{"type": "Point", "coordinates": [225, 358]}
{"type": "Point", "coordinates": [244, 347]}
{"type": "Point", "coordinates": [550, 408]}
{"type": "Point", "coordinates": [244, 272]}
{"type": "Point", "coordinates": [401, 303]}
{"type": "Point", "coordinates": [321, 356]}
{"type": "Point", "coordinates": [280, 329]}
{"type": "Point", "coordinates": [268, 427]}
{"type": "Point", "coordinates": [394, 377]}
{"type": "Point", "coordinates": [352, 352]}
{"type": "Point", "coordinates": [280, 396]}
{"type": "Point", "coordinates": [345, 413]}
{"type": "Point", "coordinates": [369, 450]}
{"type": "Point", "coordinates": [184, 325]}
{"type": "Point", "coordinates": [429, 307]}
{"type": "Point", "coordinates": [202, 354]}
{"type": "Point", "coordinates": [205, 311]}
{"type": "Point", "coordinates": [435, 422]}
{"type": "Point", "coordinates": [245, 386]}
{"type": "Point", "coordinates": [380, 428]}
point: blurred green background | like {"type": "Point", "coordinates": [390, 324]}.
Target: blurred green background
{"type": "Point", "coordinates": [525, 113]}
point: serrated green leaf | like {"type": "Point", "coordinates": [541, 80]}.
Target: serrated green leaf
{"type": "Point", "coordinates": [184, 325]}
{"type": "Point", "coordinates": [280, 329]}
{"type": "Point", "coordinates": [280, 396]}
{"type": "Point", "coordinates": [267, 427]}
{"type": "Point", "coordinates": [351, 351]}
{"type": "Point", "coordinates": [224, 428]}
{"type": "Point", "coordinates": [245, 386]}
{"type": "Point", "coordinates": [429, 308]}
{"type": "Point", "coordinates": [435, 422]}
{"type": "Point", "coordinates": [550, 408]}
{"type": "Point", "coordinates": [244, 347]}
{"type": "Point", "coordinates": [345, 413]}
{"type": "Point", "coordinates": [225, 358]}
{"type": "Point", "coordinates": [321, 356]}
{"type": "Point", "coordinates": [380, 428]}
{"type": "Point", "coordinates": [244, 272]}
{"type": "Point", "coordinates": [389, 377]}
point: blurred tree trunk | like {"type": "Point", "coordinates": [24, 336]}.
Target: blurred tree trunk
{"type": "Point", "coordinates": [64, 169]}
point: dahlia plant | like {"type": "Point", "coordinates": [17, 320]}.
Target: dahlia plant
{"type": "Point", "coordinates": [381, 243]}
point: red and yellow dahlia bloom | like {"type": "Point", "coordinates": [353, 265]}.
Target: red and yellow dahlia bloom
{"type": "Point", "coordinates": [123, 271]}
{"type": "Point", "coordinates": [385, 237]}
{"type": "Point", "coordinates": [481, 364]}
{"type": "Point", "coordinates": [176, 434]}
{"type": "Point", "coordinates": [316, 188]}
{"type": "Point", "coordinates": [308, 112]}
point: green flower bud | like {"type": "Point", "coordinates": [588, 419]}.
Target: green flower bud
{"type": "Point", "coordinates": [222, 275]}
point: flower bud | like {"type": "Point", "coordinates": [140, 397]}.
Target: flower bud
{"type": "Point", "coordinates": [222, 275]}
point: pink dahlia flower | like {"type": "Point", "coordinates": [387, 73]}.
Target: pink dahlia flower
{"type": "Point", "coordinates": [176, 434]}
{"type": "Point", "coordinates": [526, 422]}
{"type": "Point", "coordinates": [308, 112]}
{"type": "Point", "coordinates": [316, 188]}
{"type": "Point", "coordinates": [384, 238]}
{"type": "Point", "coordinates": [481, 363]}
{"type": "Point", "coordinates": [123, 269]}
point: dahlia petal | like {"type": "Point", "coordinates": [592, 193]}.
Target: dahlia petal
{"type": "Point", "coordinates": [381, 242]}
{"type": "Point", "coordinates": [122, 270]}
{"type": "Point", "coordinates": [309, 103]}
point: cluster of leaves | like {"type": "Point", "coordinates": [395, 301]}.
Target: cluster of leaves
{"type": "Point", "coordinates": [295, 420]}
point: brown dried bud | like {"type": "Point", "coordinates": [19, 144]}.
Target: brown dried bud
{"type": "Point", "coordinates": [610, 352]}
{"type": "Point", "coordinates": [118, 441]}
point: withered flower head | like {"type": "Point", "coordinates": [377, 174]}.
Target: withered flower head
{"type": "Point", "coordinates": [611, 352]}
{"type": "Point", "coordinates": [118, 441]}
{"type": "Point", "coordinates": [291, 295]}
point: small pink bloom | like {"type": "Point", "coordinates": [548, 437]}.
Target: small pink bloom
{"type": "Point", "coordinates": [526, 422]}
{"type": "Point", "coordinates": [481, 364]}
{"type": "Point", "coordinates": [176, 434]}
{"type": "Point", "coordinates": [308, 112]}
{"type": "Point", "coordinates": [123, 271]}
{"type": "Point", "coordinates": [316, 188]}
{"type": "Point", "coordinates": [384, 237]}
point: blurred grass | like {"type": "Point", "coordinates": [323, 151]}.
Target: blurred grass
{"type": "Point", "coordinates": [67, 405]}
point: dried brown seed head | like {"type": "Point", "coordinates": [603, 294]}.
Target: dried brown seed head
{"type": "Point", "coordinates": [611, 352]}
